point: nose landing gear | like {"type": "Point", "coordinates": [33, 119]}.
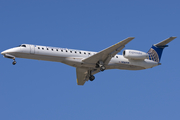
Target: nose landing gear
{"type": "Point", "coordinates": [10, 57]}
{"type": "Point", "coordinates": [14, 62]}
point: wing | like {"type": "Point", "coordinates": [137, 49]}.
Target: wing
{"type": "Point", "coordinates": [106, 54]}
{"type": "Point", "coordinates": [83, 75]}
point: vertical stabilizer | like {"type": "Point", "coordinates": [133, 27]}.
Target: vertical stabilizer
{"type": "Point", "coordinates": [156, 50]}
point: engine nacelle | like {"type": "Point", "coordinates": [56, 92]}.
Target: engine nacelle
{"type": "Point", "coordinates": [134, 54]}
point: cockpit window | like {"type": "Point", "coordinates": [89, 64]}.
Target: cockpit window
{"type": "Point", "coordinates": [22, 46]}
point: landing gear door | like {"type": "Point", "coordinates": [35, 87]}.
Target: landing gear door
{"type": "Point", "coordinates": [32, 49]}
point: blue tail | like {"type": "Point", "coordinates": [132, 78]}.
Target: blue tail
{"type": "Point", "coordinates": [156, 50]}
{"type": "Point", "coordinates": [155, 53]}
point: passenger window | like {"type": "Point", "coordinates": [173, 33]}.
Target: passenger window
{"type": "Point", "coordinates": [116, 56]}
{"type": "Point", "coordinates": [71, 51]}
{"type": "Point", "coordinates": [56, 49]}
{"type": "Point", "coordinates": [47, 48]}
{"type": "Point", "coordinates": [89, 53]}
{"type": "Point", "coordinates": [66, 51]}
{"type": "Point", "coordinates": [84, 53]}
{"type": "Point", "coordinates": [79, 52]}
{"type": "Point", "coordinates": [52, 49]}
{"type": "Point", "coordinates": [61, 50]}
{"type": "Point", "coordinates": [43, 48]}
{"type": "Point", "coordinates": [75, 52]}
{"type": "Point", "coordinates": [38, 47]}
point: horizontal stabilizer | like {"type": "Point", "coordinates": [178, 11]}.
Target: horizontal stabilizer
{"type": "Point", "coordinates": [165, 42]}
{"type": "Point", "coordinates": [156, 50]}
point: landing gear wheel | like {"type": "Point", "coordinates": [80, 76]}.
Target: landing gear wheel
{"type": "Point", "coordinates": [100, 64]}
{"type": "Point", "coordinates": [14, 63]}
{"type": "Point", "coordinates": [91, 78]}
{"type": "Point", "coordinates": [97, 66]}
{"type": "Point", "coordinates": [102, 68]}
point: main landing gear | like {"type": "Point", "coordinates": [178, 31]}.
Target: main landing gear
{"type": "Point", "coordinates": [91, 77]}
{"type": "Point", "coordinates": [102, 68]}
{"type": "Point", "coordinates": [14, 62]}
{"type": "Point", "coordinates": [100, 65]}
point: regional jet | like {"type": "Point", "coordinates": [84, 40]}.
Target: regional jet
{"type": "Point", "coordinates": [89, 63]}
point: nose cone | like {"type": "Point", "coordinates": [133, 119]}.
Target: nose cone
{"type": "Point", "coordinates": [4, 52]}
{"type": "Point", "coordinates": [12, 50]}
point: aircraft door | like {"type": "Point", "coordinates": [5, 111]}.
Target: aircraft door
{"type": "Point", "coordinates": [32, 49]}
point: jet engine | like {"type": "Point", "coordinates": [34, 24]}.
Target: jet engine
{"type": "Point", "coordinates": [134, 54]}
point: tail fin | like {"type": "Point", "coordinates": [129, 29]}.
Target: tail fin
{"type": "Point", "coordinates": [156, 50]}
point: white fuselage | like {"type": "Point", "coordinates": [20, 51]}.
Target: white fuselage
{"type": "Point", "coordinates": [74, 57]}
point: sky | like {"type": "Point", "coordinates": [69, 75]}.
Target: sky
{"type": "Point", "coordinates": [42, 90]}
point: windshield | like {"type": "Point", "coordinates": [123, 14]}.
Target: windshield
{"type": "Point", "coordinates": [22, 46]}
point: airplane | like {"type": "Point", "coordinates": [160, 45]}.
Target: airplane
{"type": "Point", "coordinates": [89, 63]}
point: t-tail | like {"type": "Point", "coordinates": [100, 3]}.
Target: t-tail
{"type": "Point", "coordinates": [156, 50]}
